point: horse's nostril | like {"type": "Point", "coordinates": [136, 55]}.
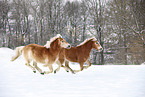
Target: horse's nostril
{"type": "Point", "coordinates": [101, 49]}
{"type": "Point", "coordinates": [69, 46]}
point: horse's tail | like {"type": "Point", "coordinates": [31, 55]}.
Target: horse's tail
{"type": "Point", "coordinates": [18, 52]}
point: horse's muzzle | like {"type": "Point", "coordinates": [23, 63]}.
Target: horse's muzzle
{"type": "Point", "coordinates": [101, 49]}
{"type": "Point", "coordinates": [69, 46]}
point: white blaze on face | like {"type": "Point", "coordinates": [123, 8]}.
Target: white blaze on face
{"type": "Point", "coordinates": [64, 44]}
{"type": "Point", "coordinates": [100, 47]}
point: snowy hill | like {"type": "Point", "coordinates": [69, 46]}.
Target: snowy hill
{"type": "Point", "coordinates": [17, 80]}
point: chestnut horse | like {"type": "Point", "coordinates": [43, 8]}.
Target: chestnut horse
{"type": "Point", "coordinates": [79, 54]}
{"type": "Point", "coordinates": [41, 54]}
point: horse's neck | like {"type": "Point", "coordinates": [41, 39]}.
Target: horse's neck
{"type": "Point", "coordinates": [87, 48]}
{"type": "Point", "coordinates": [55, 50]}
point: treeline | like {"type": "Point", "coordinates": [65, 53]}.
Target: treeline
{"type": "Point", "coordinates": [118, 25]}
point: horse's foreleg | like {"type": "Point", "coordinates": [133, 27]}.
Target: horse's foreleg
{"type": "Point", "coordinates": [89, 63]}
{"type": "Point", "coordinates": [59, 65]}
{"type": "Point", "coordinates": [81, 68]}
{"type": "Point", "coordinates": [67, 67]}
{"type": "Point", "coordinates": [35, 65]}
{"type": "Point", "coordinates": [50, 68]}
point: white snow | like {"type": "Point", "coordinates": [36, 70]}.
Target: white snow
{"type": "Point", "coordinates": [143, 63]}
{"type": "Point", "coordinates": [18, 80]}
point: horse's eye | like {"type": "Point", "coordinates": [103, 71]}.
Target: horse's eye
{"type": "Point", "coordinates": [62, 41]}
{"type": "Point", "coordinates": [96, 42]}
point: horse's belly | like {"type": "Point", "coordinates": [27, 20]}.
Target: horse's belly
{"type": "Point", "coordinates": [77, 59]}
{"type": "Point", "coordinates": [46, 60]}
{"type": "Point", "coordinates": [39, 61]}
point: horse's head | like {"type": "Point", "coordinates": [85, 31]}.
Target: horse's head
{"type": "Point", "coordinates": [96, 45]}
{"type": "Point", "coordinates": [63, 43]}
{"type": "Point", "coordinates": [56, 42]}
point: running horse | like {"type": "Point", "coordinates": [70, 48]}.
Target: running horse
{"type": "Point", "coordinates": [79, 54]}
{"type": "Point", "coordinates": [41, 54]}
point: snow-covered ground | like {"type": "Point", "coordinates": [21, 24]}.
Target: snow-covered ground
{"type": "Point", "coordinates": [18, 80]}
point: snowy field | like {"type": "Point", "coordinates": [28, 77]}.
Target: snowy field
{"type": "Point", "coordinates": [18, 80]}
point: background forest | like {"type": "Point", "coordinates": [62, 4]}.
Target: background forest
{"type": "Point", "coordinates": [119, 26]}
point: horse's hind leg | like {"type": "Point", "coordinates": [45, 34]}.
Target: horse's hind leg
{"type": "Point", "coordinates": [35, 65]}
{"type": "Point", "coordinates": [28, 64]}
{"type": "Point", "coordinates": [88, 62]}
{"type": "Point", "coordinates": [50, 68]}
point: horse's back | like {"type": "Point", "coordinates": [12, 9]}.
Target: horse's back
{"type": "Point", "coordinates": [75, 51]}
{"type": "Point", "coordinates": [35, 47]}
{"type": "Point", "coordinates": [76, 54]}
{"type": "Point", "coordinates": [35, 52]}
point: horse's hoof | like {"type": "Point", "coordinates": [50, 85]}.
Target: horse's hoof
{"type": "Point", "coordinates": [42, 73]}
{"type": "Point", "coordinates": [55, 72]}
{"type": "Point", "coordinates": [67, 71]}
{"type": "Point", "coordinates": [34, 71]}
{"type": "Point", "coordinates": [73, 72]}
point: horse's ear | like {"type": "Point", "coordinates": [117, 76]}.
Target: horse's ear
{"type": "Point", "coordinates": [59, 36]}
{"type": "Point", "coordinates": [47, 45]}
{"type": "Point", "coordinates": [94, 39]}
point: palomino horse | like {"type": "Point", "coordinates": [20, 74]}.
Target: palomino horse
{"type": "Point", "coordinates": [79, 54]}
{"type": "Point", "coordinates": [41, 54]}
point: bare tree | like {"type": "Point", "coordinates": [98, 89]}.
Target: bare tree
{"type": "Point", "coordinates": [72, 11]}
{"type": "Point", "coordinates": [125, 29]}
{"type": "Point", "coordinates": [96, 8]}
{"type": "Point", "coordinates": [85, 15]}
{"type": "Point", "coordinates": [4, 9]}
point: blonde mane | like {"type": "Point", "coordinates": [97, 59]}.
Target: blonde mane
{"type": "Point", "coordinates": [47, 45]}
{"type": "Point", "coordinates": [94, 39]}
